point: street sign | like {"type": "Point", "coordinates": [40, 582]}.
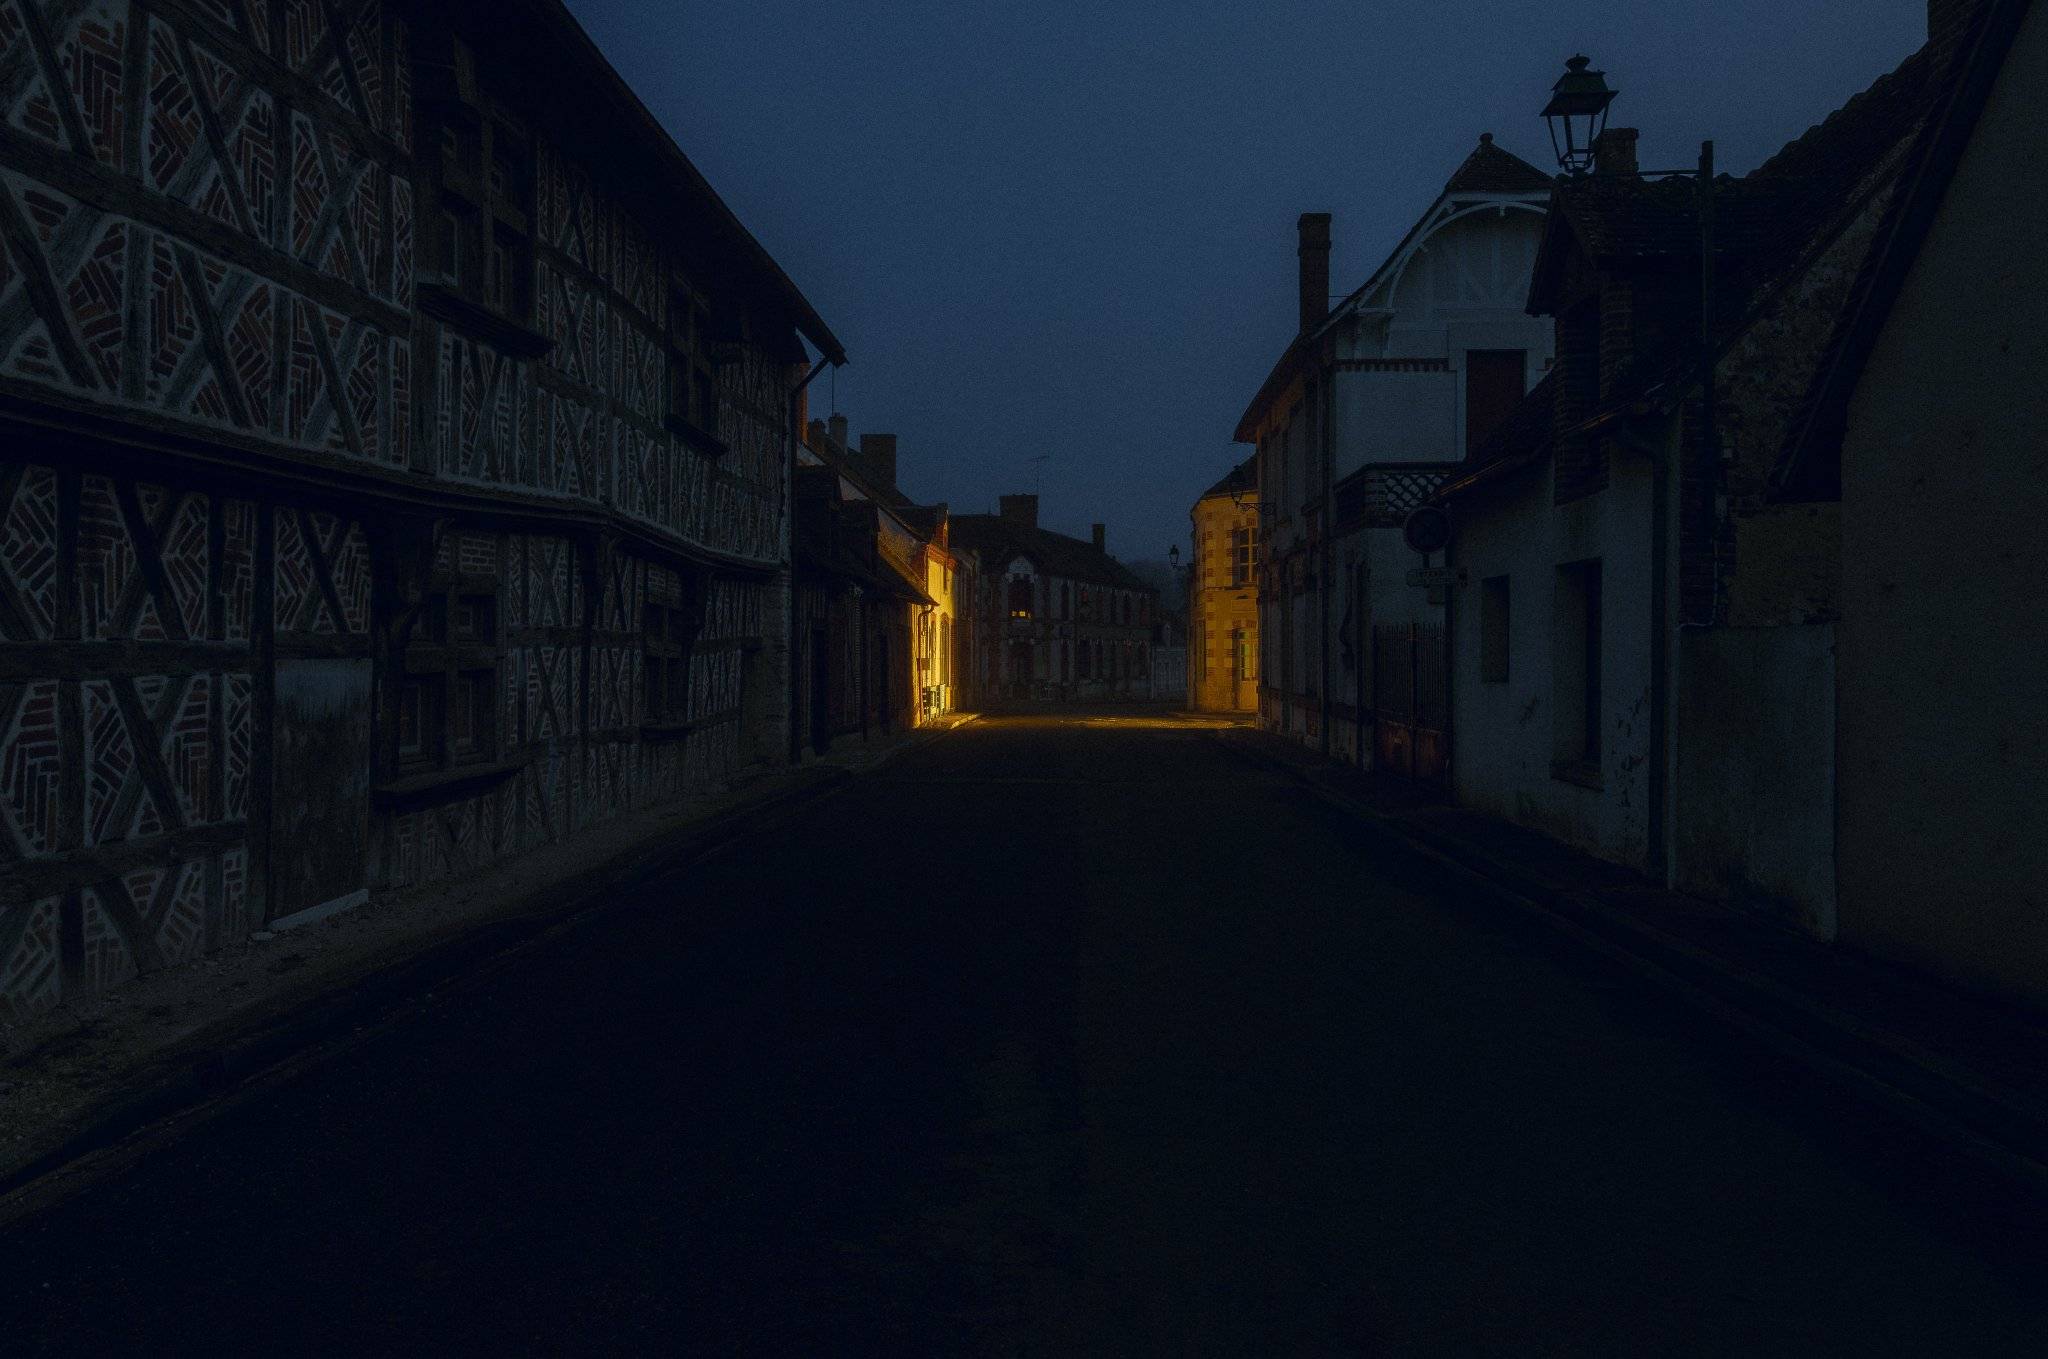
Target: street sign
{"type": "Point", "coordinates": [1435, 577]}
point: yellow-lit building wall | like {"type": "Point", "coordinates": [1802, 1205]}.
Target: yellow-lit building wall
{"type": "Point", "coordinates": [936, 629]}
{"type": "Point", "coordinates": [1223, 606]}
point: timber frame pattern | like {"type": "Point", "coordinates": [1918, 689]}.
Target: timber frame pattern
{"type": "Point", "coordinates": [276, 515]}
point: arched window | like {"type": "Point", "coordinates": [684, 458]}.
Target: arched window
{"type": "Point", "coordinates": [1020, 596]}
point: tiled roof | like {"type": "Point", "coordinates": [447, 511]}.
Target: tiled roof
{"type": "Point", "coordinates": [1765, 219]}
{"type": "Point", "coordinates": [1240, 479]}
{"type": "Point", "coordinates": [922, 520]}
{"type": "Point", "coordinates": [836, 538]}
{"type": "Point", "coordinates": [998, 539]}
{"type": "Point", "coordinates": [1491, 170]}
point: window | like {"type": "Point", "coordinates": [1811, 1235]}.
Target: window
{"type": "Point", "coordinates": [694, 337]}
{"type": "Point", "coordinates": [666, 635]}
{"type": "Point", "coordinates": [1243, 556]}
{"type": "Point", "coordinates": [1020, 596]}
{"type": "Point", "coordinates": [1576, 669]}
{"type": "Point", "coordinates": [446, 705]}
{"type": "Point", "coordinates": [485, 247]}
{"type": "Point", "coordinates": [1494, 382]}
{"type": "Point", "coordinates": [1247, 653]}
{"type": "Point", "coordinates": [1493, 629]}
{"type": "Point", "coordinates": [469, 715]}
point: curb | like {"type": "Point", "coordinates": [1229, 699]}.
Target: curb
{"type": "Point", "coordinates": [1931, 1095]}
{"type": "Point", "coordinates": [179, 1082]}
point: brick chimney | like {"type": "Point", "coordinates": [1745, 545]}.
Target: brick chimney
{"type": "Point", "coordinates": [1614, 151]}
{"type": "Point", "coordinates": [1314, 230]}
{"type": "Point", "coordinates": [878, 451]}
{"type": "Point", "coordinates": [1020, 509]}
{"type": "Point", "coordinates": [814, 434]}
{"type": "Point", "coordinates": [837, 424]}
{"type": "Point", "coordinates": [1101, 536]}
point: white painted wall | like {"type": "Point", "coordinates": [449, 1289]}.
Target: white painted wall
{"type": "Point", "coordinates": [1503, 734]}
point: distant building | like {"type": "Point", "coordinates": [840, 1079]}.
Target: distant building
{"type": "Point", "coordinates": [877, 634]}
{"type": "Point", "coordinates": [1058, 619]}
{"type": "Point", "coordinates": [1170, 657]}
{"type": "Point", "coordinates": [1223, 595]}
{"type": "Point", "coordinates": [1367, 411]}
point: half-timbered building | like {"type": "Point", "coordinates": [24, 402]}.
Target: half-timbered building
{"type": "Point", "coordinates": [395, 433]}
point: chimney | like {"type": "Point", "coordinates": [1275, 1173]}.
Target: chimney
{"type": "Point", "coordinates": [1099, 536]}
{"type": "Point", "coordinates": [814, 434]}
{"type": "Point", "coordinates": [838, 427]}
{"type": "Point", "coordinates": [1020, 509]}
{"type": "Point", "coordinates": [878, 451]}
{"type": "Point", "coordinates": [1314, 228]}
{"type": "Point", "coordinates": [1614, 151]}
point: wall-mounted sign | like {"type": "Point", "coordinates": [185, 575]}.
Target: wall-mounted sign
{"type": "Point", "coordinates": [1436, 577]}
{"type": "Point", "coordinates": [1428, 529]}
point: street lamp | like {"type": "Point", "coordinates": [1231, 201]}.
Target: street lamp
{"type": "Point", "coordinates": [1577, 114]}
{"type": "Point", "coordinates": [1173, 555]}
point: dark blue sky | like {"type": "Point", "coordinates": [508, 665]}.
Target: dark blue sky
{"type": "Point", "coordinates": [1066, 230]}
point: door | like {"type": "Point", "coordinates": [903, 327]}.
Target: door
{"type": "Point", "coordinates": [885, 693]}
{"type": "Point", "coordinates": [1494, 382]}
{"type": "Point", "coordinates": [821, 690]}
{"type": "Point", "coordinates": [1411, 697]}
{"type": "Point", "coordinates": [320, 798]}
{"type": "Point", "coordinates": [1020, 669]}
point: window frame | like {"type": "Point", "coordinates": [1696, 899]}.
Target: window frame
{"type": "Point", "coordinates": [446, 669]}
{"type": "Point", "coordinates": [484, 176]}
{"type": "Point", "coordinates": [668, 638]}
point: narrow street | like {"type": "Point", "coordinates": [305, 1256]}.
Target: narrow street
{"type": "Point", "coordinates": [1013, 1047]}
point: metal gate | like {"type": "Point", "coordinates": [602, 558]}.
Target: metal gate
{"type": "Point", "coordinates": [1411, 712]}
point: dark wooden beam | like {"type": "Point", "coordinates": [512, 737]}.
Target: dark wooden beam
{"type": "Point", "coordinates": [33, 879]}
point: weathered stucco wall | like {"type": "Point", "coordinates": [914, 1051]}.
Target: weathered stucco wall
{"type": "Point", "coordinates": [1503, 733]}
{"type": "Point", "coordinates": [1944, 697]}
{"type": "Point", "coordinates": [1755, 770]}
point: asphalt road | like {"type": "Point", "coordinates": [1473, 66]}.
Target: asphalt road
{"type": "Point", "coordinates": [1061, 1038]}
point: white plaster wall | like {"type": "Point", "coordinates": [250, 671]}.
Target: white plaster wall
{"type": "Point", "coordinates": [1503, 734]}
{"type": "Point", "coordinates": [1393, 417]}
{"type": "Point", "coordinates": [1943, 697]}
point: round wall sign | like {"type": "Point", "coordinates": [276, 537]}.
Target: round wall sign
{"type": "Point", "coordinates": [1428, 529]}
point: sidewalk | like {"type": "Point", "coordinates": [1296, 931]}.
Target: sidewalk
{"type": "Point", "coordinates": [1971, 1071]}
{"type": "Point", "coordinates": [83, 1076]}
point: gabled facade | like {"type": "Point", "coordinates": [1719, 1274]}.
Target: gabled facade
{"type": "Point", "coordinates": [1057, 619]}
{"type": "Point", "coordinates": [393, 465]}
{"type": "Point", "coordinates": [1367, 411]}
